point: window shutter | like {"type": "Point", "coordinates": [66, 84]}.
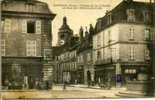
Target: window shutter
{"type": "Point", "coordinates": [131, 33]}
{"type": "Point", "coordinates": [35, 48]}
{"type": "Point", "coordinates": [24, 26]}
{"type": "Point", "coordinates": [2, 47]}
{"type": "Point", "coordinates": [7, 27]}
{"type": "Point", "coordinates": [31, 48]}
{"type": "Point", "coordinates": [38, 27]}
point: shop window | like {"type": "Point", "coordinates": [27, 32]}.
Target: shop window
{"type": "Point", "coordinates": [131, 74]}
{"type": "Point", "coordinates": [142, 77]}
{"type": "Point", "coordinates": [31, 27]}
{"type": "Point", "coordinates": [130, 71]}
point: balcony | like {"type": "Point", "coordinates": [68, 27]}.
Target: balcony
{"type": "Point", "coordinates": [104, 61]}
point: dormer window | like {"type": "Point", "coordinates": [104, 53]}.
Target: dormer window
{"type": "Point", "coordinates": [99, 25]}
{"type": "Point", "coordinates": [131, 15]}
{"type": "Point", "coordinates": [109, 19]}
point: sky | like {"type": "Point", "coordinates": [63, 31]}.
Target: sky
{"type": "Point", "coordinates": [78, 17]}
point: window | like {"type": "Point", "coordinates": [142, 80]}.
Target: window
{"type": "Point", "coordinates": [147, 16]}
{"type": "Point", "coordinates": [98, 55]}
{"type": "Point", "coordinates": [88, 57]}
{"type": "Point", "coordinates": [7, 26]}
{"type": "Point", "coordinates": [130, 15]}
{"type": "Point", "coordinates": [109, 19]}
{"type": "Point", "coordinates": [98, 40]}
{"type": "Point", "coordinates": [114, 53]}
{"type": "Point", "coordinates": [99, 24]}
{"type": "Point", "coordinates": [131, 34]}
{"type": "Point", "coordinates": [130, 71]}
{"type": "Point", "coordinates": [109, 36]}
{"type": "Point", "coordinates": [2, 25]}
{"type": "Point", "coordinates": [31, 47]}
{"type": "Point", "coordinates": [81, 59]}
{"type": "Point", "coordinates": [132, 52]}
{"type": "Point", "coordinates": [147, 34]}
{"type": "Point", "coordinates": [147, 54]}
{"type": "Point", "coordinates": [47, 53]}
{"type": "Point", "coordinates": [16, 68]}
{"type": "Point", "coordinates": [2, 47]}
{"type": "Point", "coordinates": [30, 27]}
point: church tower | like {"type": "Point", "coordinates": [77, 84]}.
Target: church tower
{"type": "Point", "coordinates": [64, 33]}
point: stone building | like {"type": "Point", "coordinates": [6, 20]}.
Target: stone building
{"type": "Point", "coordinates": [65, 54]}
{"type": "Point", "coordinates": [85, 69]}
{"type": "Point", "coordinates": [152, 86]}
{"type": "Point", "coordinates": [120, 44]}
{"type": "Point", "coordinates": [25, 43]}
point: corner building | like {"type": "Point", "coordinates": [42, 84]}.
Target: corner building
{"type": "Point", "coordinates": [25, 43]}
{"type": "Point", "coordinates": [120, 45]}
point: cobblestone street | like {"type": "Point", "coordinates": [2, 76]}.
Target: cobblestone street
{"type": "Point", "coordinates": [58, 92]}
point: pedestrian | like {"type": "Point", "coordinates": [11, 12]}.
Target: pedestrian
{"type": "Point", "coordinates": [47, 85]}
{"type": "Point", "coordinates": [64, 86]}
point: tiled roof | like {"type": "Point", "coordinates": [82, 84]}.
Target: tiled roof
{"type": "Point", "coordinates": [118, 14]}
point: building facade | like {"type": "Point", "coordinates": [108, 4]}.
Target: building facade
{"type": "Point", "coordinates": [120, 45]}
{"type": "Point", "coordinates": [65, 58]}
{"type": "Point", "coordinates": [85, 69]}
{"type": "Point", "coordinates": [25, 43]}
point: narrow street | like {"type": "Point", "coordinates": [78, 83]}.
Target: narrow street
{"type": "Point", "coordinates": [58, 92]}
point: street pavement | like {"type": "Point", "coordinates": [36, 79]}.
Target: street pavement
{"type": "Point", "coordinates": [71, 91]}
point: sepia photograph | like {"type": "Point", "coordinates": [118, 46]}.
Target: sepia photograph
{"type": "Point", "coordinates": [77, 49]}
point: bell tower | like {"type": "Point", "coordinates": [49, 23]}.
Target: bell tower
{"type": "Point", "coordinates": [64, 33]}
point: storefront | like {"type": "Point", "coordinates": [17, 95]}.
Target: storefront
{"type": "Point", "coordinates": [135, 77]}
{"type": "Point", "coordinates": [134, 72]}
{"type": "Point", "coordinates": [104, 74]}
{"type": "Point", "coordinates": [18, 73]}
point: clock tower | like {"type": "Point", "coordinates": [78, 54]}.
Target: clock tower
{"type": "Point", "coordinates": [64, 33]}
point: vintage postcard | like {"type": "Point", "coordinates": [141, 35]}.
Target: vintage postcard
{"type": "Point", "coordinates": [77, 49]}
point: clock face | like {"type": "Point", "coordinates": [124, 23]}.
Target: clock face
{"type": "Point", "coordinates": [62, 42]}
